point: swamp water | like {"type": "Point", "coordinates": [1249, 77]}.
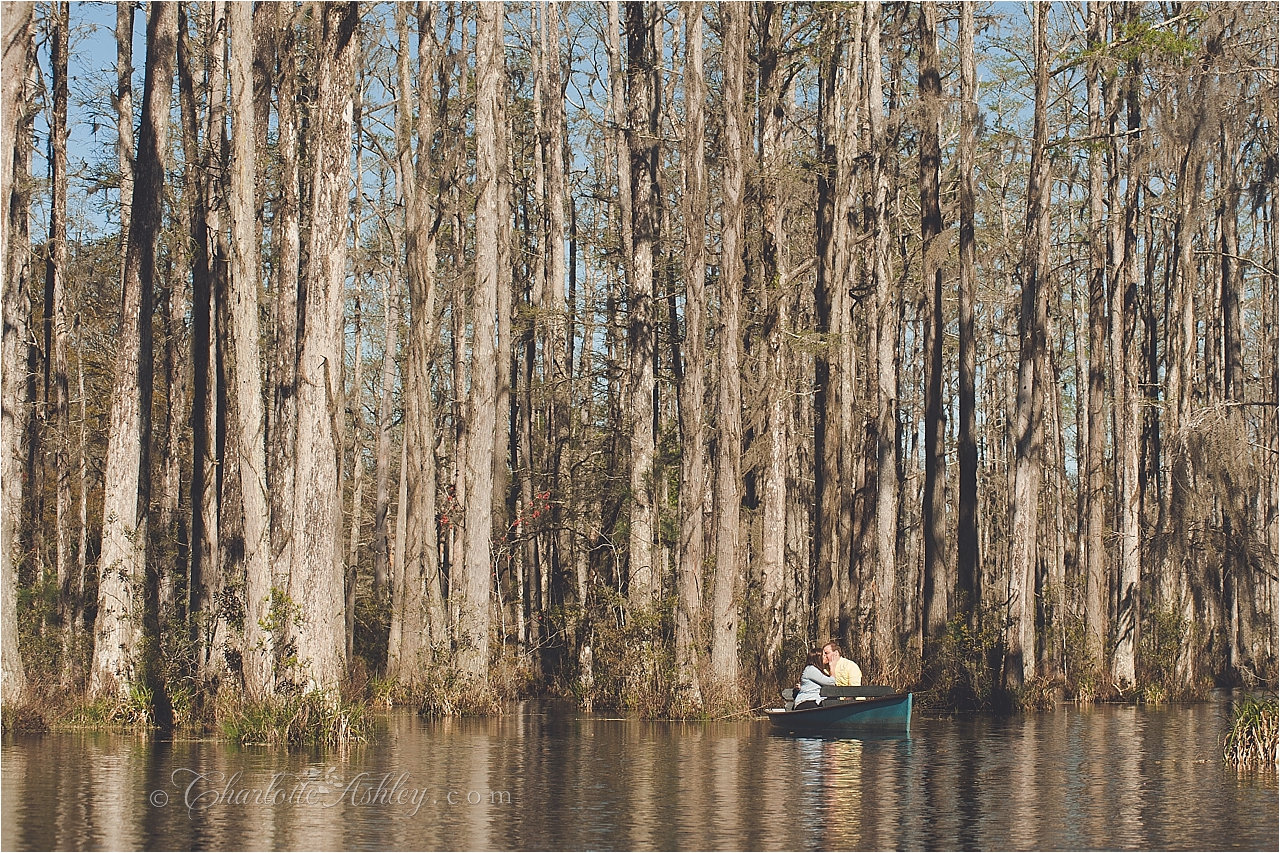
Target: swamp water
{"type": "Point", "coordinates": [546, 776]}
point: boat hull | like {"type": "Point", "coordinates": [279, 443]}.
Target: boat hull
{"type": "Point", "coordinates": [839, 716]}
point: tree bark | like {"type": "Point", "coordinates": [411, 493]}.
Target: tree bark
{"type": "Point", "coordinates": [1020, 643]}
{"type": "Point", "coordinates": [193, 202]}
{"type": "Point", "coordinates": [382, 452]}
{"type": "Point", "coordinates": [829, 325]}
{"type": "Point", "coordinates": [202, 192]}
{"type": "Point", "coordinates": [886, 333]}
{"type": "Point", "coordinates": [561, 371]}
{"type": "Point", "coordinates": [642, 144]}
{"type": "Point", "coordinates": [1125, 354]}
{"type": "Point", "coordinates": [1094, 556]}
{"type": "Point", "coordinates": [1238, 581]}
{"type": "Point", "coordinates": [258, 656]}
{"type": "Point", "coordinates": [730, 561]}
{"type": "Point", "coordinates": [124, 118]}
{"type": "Point", "coordinates": [316, 581]}
{"type": "Point", "coordinates": [473, 620]}
{"type": "Point", "coordinates": [692, 391]}
{"type": "Point", "coordinates": [1182, 567]}
{"type": "Point", "coordinates": [126, 640]}
{"type": "Point", "coordinates": [420, 625]}
{"type": "Point", "coordinates": [355, 399]}
{"type": "Point", "coordinates": [18, 34]}
{"type": "Point", "coordinates": [56, 314]}
{"type": "Point", "coordinates": [932, 249]}
{"type": "Point", "coordinates": [776, 303]}
{"type": "Point", "coordinates": [968, 576]}
{"type": "Point", "coordinates": [286, 233]}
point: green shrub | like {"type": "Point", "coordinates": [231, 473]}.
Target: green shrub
{"type": "Point", "coordinates": [634, 664]}
{"type": "Point", "coordinates": [957, 674]}
{"type": "Point", "coordinates": [1164, 632]}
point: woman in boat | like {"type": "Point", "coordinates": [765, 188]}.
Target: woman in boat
{"type": "Point", "coordinates": [812, 680]}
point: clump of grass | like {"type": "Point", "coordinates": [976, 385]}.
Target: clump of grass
{"type": "Point", "coordinates": [310, 719]}
{"type": "Point", "coordinates": [135, 710]}
{"type": "Point", "coordinates": [1252, 741]}
{"type": "Point", "coordinates": [385, 692]}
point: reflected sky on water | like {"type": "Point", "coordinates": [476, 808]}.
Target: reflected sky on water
{"type": "Point", "coordinates": [546, 776]}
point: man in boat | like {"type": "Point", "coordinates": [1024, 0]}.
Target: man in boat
{"type": "Point", "coordinates": [845, 671]}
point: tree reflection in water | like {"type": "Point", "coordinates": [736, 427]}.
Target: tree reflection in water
{"type": "Point", "coordinates": [547, 776]}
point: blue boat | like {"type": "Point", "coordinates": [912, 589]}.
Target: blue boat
{"type": "Point", "coordinates": [848, 710]}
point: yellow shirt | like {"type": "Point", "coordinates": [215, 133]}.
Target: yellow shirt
{"type": "Point", "coordinates": [847, 673]}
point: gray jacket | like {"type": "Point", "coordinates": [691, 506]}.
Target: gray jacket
{"type": "Point", "coordinates": [811, 683]}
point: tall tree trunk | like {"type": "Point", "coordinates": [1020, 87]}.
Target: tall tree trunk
{"type": "Point", "coordinates": [286, 232]}
{"type": "Point", "coordinates": [968, 576]}
{"type": "Point", "coordinates": [1125, 354]}
{"type": "Point", "coordinates": [316, 582]}
{"type": "Point", "coordinates": [355, 399]}
{"type": "Point", "coordinates": [473, 620]}
{"type": "Point", "coordinates": [246, 273]}
{"type": "Point", "coordinates": [504, 460]}
{"type": "Point", "coordinates": [730, 560]}
{"type": "Point", "coordinates": [828, 322]}
{"type": "Point", "coordinates": [395, 632]}
{"type": "Point", "coordinates": [124, 119]}
{"type": "Point", "coordinates": [887, 311]}
{"type": "Point", "coordinates": [932, 249]}
{"type": "Point", "coordinates": [222, 473]}
{"type": "Point", "coordinates": [18, 35]}
{"type": "Point", "coordinates": [82, 552]}
{"type": "Point", "coordinates": [171, 527]}
{"type": "Point", "coordinates": [692, 391]}
{"type": "Point", "coordinates": [642, 144]}
{"type": "Point", "coordinates": [422, 625]}
{"type": "Point", "coordinates": [1180, 379]}
{"type": "Point", "coordinates": [203, 189]}
{"type": "Point", "coordinates": [852, 428]}
{"type": "Point", "coordinates": [776, 301]}
{"type": "Point", "coordinates": [1020, 655]}
{"type": "Point", "coordinates": [125, 648]}
{"type": "Point", "coordinates": [60, 21]}
{"type": "Point", "coordinates": [203, 528]}
{"type": "Point", "coordinates": [1238, 583]}
{"type": "Point", "coordinates": [1094, 554]}
{"type": "Point", "coordinates": [382, 452]}
{"type": "Point", "coordinates": [621, 139]}
{"type": "Point", "coordinates": [561, 312]}
{"type": "Point", "coordinates": [616, 288]}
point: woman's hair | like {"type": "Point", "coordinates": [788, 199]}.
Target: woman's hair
{"type": "Point", "coordinates": [815, 659]}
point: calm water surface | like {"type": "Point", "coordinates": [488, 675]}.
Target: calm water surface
{"type": "Point", "coordinates": [549, 777]}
